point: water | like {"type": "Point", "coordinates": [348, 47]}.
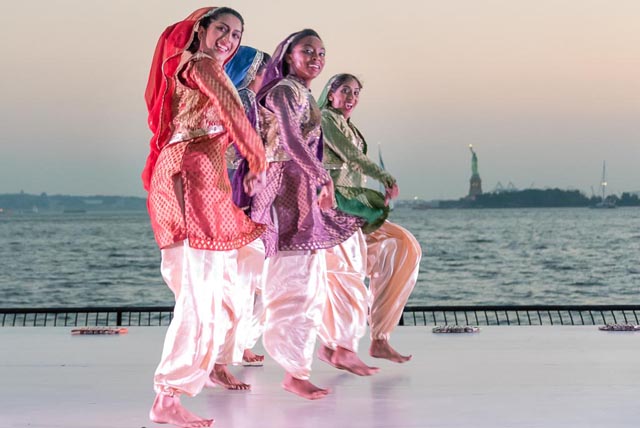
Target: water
{"type": "Point", "coordinates": [527, 256]}
{"type": "Point", "coordinates": [502, 256]}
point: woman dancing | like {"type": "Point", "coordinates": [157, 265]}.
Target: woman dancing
{"type": "Point", "coordinates": [296, 205]}
{"type": "Point", "coordinates": [195, 114]}
{"type": "Point", "coordinates": [246, 71]}
{"type": "Point", "coordinates": [393, 254]}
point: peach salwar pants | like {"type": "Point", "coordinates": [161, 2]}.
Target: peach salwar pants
{"type": "Point", "coordinates": [345, 315]}
{"type": "Point", "coordinates": [294, 294]}
{"type": "Point", "coordinates": [393, 261]}
{"type": "Point", "coordinates": [250, 320]}
{"type": "Point", "coordinates": [203, 316]}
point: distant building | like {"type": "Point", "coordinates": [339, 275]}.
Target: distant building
{"type": "Point", "coordinates": [475, 183]}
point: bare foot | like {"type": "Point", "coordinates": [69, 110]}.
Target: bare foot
{"type": "Point", "coordinates": [343, 358]}
{"type": "Point", "coordinates": [380, 348]}
{"type": "Point", "coordinates": [303, 388]}
{"type": "Point", "coordinates": [325, 353]}
{"type": "Point", "coordinates": [223, 377]}
{"type": "Point", "coordinates": [251, 359]}
{"type": "Point", "coordinates": [166, 409]}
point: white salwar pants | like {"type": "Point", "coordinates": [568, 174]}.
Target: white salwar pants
{"type": "Point", "coordinates": [393, 261]}
{"type": "Point", "coordinates": [250, 320]}
{"type": "Point", "coordinates": [345, 315]}
{"type": "Point", "coordinates": [294, 295]}
{"type": "Point", "coordinates": [202, 316]}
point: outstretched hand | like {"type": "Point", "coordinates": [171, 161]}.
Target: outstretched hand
{"type": "Point", "coordinates": [254, 183]}
{"type": "Point", "coordinates": [391, 193]}
{"type": "Point", "coordinates": [326, 198]}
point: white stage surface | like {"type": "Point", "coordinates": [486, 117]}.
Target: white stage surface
{"type": "Point", "coordinates": [539, 376]}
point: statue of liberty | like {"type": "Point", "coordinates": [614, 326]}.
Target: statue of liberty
{"type": "Point", "coordinates": [474, 161]}
{"type": "Point", "coordinates": [475, 184]}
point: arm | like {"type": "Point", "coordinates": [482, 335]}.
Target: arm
{"type": "Point", "coordinates": [282, 101]}
{"type": "Point", "coordinates": [336, 140]}
{"type": "Point", "coordinates": [209, 77]}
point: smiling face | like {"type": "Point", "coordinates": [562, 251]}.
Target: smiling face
{"type": "Point", "coordinates": [306, 59]}
{"type": "Point", "coordinates": [221, 39]}
{"type": "Point", "coordinates": [345, 97]}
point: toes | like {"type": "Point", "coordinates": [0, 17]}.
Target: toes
{"type": "Point", "coordinates": [199, 424]}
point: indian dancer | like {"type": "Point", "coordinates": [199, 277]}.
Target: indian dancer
{"type": "Point", "coordinates": [246, 71]}
{"type": "Point", "coordinates": [393, 253]}
{"type": "Point", "coordinates": [195, 114]}
{"type": "Point", "coordinates": [296, 204]}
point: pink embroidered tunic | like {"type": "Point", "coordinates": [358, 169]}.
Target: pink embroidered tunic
{"type": "Point", "coordinates": [190, 193]}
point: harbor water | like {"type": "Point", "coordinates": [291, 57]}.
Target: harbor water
{"type": "Point", "coordinates": [497, 256]}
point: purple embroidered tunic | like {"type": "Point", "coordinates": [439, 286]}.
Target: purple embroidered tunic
{"type": "Point", "coordinates": [288, 205]}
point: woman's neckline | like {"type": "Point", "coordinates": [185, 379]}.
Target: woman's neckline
{"type": "Point", "coordinates": [299, 80]}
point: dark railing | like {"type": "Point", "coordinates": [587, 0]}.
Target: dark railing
{"type": "Point", "coordinates": [89, 316]}
{"type": "Point", "coordinates": [413, 315]}
{"type": "Point", "coordinates": [521, 315]}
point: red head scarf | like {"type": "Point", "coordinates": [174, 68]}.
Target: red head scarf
{"type": "Point", "coordinates": [168, 56]}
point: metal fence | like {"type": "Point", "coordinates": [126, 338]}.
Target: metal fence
{"type": "Point", "coordinates": [89, 316]}
{"type": "Point", "coordinates": [413, 315]}
{"type": "Point", "coordinates": [521, 315]}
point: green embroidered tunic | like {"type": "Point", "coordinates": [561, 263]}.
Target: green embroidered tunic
{"type": "Point", "coordinates": [345, 156]}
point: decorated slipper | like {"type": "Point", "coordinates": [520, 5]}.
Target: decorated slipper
{"type": "Point", "coordinates": [99, 330]}
{"type": "Point", "coordinates": [620, 327]}
{"type": "Point", "coordinates": [455, 329]}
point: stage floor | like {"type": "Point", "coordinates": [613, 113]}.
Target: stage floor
{"type": "Point", "coordinates": [541, 376]}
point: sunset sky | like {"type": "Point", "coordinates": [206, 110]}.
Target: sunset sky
{"type": "Point", "coordinates": [545, 90]}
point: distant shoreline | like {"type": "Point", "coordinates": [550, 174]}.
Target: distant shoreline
{"type": "Point", "coordinates": [25, 203]}
{"type": "Point", "coordinates": [530, 198]}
